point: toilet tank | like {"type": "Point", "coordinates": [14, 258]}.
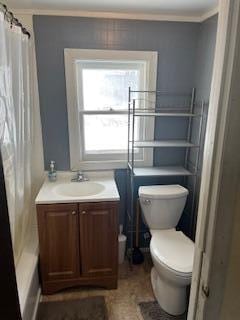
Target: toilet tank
{"type": "Point", "coordinates": [162, 205]}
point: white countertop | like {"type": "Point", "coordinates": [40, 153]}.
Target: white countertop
{"type": "Point", "coordinates": [48, 192]}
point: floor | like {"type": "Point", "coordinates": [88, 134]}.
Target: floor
{"type": "Point", "coordinates": [134, 286]}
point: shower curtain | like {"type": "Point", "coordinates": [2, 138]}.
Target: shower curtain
{"type": "Point", "coordinates": [16, 128]}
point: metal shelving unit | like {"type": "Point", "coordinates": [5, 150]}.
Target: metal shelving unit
{"type": "Point", "coordinates": [163, 144]}
{"type": "Point", "coordinates": [163, 171]}
{"type": "Point", "coordinates": [134, 171]}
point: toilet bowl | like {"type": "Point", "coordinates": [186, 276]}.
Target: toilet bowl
{"type": "Point", "coordinates": [171, 251]}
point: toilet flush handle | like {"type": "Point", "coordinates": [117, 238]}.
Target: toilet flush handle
{"type": "Point", "coordinates": [147, 201]}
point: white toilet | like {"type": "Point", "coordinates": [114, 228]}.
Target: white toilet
{"type": "Point", "coordinates": [172, 252]}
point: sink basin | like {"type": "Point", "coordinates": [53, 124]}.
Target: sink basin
{"type": "Point", "coordinates": [79, 189]}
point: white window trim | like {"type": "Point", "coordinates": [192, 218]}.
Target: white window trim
{"type": "Point", "coordinates": [70, 56]}
{"type": "Point", "coordinates": [114, 155]}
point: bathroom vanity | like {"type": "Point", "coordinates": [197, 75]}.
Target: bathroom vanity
{"type": "Point", "coordinates": [78, 232]}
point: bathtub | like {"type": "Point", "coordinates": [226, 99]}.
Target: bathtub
{"type": "Point", "coordinates": [27, 278]}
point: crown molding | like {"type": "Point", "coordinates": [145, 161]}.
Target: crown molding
{"type": "Point", "coordinates": [118, 15]}
{"type": "Point", "coordinates": [209, 14]}
{"type": "Point", "coordinates": [109, 15]}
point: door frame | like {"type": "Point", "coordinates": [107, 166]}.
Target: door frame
{"type": "Point", "coordinates": [216, 151]}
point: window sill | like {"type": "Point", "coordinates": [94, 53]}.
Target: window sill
{"type": "Point", "coordinates": [99, 165]}
{"type": "Point", "coordinates": [106, 165]}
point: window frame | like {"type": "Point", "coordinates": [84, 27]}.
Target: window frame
{"type": "Point", "coordinates": [75, 124]}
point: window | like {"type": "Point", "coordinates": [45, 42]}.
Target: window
{"type": "Point", "coordinates": [97, 84]}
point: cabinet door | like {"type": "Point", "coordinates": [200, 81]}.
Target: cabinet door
{"type": "Point", "coordinates": [59, 241]}
{"type": "Point", "coordinates": [99, 238]}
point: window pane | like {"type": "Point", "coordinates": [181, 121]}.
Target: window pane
{"type": "Point", "coordinates": [106, 133]}
{"type": "Point", "coordinates": [108, 88]}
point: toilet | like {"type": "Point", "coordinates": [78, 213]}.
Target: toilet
{"type": "Point", "coordinates": [172, 252]}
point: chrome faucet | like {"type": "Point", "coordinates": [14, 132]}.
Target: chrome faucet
{"type": "Point", "coordinates": [80, 177]}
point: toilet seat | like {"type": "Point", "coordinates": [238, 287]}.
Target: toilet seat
{"type": "Point", "coordinates": [173, 250]}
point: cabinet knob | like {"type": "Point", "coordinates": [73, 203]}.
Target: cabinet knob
{"type": "Point", "coordinates": [83, 212]}
{"type": "Point", "coordinates": [73, 212]}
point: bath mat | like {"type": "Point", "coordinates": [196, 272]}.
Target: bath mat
{"type": "Point", "coordinates": [152, 311]}
{"type": "Point", "coordinates": [90, 308]}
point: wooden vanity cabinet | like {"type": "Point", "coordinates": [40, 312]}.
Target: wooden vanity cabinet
{"type": "Point", "coordinates": [78, 245]}
{"type": "Point", "coordinates": [98, 239]}
{"type": "Point", "coordinates": [59, 241]}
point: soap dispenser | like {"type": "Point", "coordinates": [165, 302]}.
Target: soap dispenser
{"type": "Point", "coordinates": [52, 173]}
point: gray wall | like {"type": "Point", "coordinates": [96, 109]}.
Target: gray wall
{"type": "Point", "coordinates": [202, 83]}
{"type": "Point", "coordinates": [179, 48]}
{"type": "Point", "coordinates": [176, 44]}
{"type": "Point", "coordinates": [205, 58]}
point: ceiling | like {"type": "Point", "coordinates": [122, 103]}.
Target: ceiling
{"type": "Point", "coordinates": [177, 7]}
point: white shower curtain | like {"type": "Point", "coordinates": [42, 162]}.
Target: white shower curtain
{"type": "Point", "coordinates": [16, 128]}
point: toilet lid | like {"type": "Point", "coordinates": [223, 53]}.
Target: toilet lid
{"type": "Point", "coordinates": [173, 249]}
{"type": "Point", "coordinates": [172, 191]}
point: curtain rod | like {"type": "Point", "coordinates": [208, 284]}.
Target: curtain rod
{"type": "Point", "coordinates": [8, 16]}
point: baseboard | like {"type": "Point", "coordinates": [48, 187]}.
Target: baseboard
{"type": "Point", "coordinates": [36, 305]}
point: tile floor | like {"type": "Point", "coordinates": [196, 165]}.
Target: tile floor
{"type": "Point", "coordinates": [134, 286]}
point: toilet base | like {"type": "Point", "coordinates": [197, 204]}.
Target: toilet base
{"type": "Point", "coordinates": [171, 299]}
